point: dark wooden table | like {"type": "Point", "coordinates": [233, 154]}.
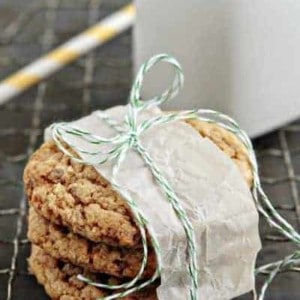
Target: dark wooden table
{"type": "Point", "coordinates": [97, 81]}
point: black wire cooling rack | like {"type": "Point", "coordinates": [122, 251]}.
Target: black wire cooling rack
{"type": "Point", "coordinates": [97, 81]}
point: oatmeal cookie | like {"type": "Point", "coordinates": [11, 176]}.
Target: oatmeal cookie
{"type": "Point", "coordinates": [61, 283]}
{"type": "Point", "coordinates": [75, 195]}
{"type": "Point", "coordinates": [64, 245]}
{"type": "Point", "coordinates": [228, 143]}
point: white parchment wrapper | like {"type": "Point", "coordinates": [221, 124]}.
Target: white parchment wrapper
{"type": "Point", "coordinates": [214, 194]}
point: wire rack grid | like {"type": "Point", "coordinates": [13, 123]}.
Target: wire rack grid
{"type": "Point", "coordinates": [97, 81]}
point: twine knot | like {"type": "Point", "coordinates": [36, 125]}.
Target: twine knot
{"type": "Point", "coordinates": [132, 139]}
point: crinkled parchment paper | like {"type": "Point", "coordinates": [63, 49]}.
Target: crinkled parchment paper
{"type": "Point", "coordinates": [212, 191]}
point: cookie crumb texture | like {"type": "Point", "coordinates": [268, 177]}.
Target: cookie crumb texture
{"type": "Point", "coordinates": [74, 195]}
{"type": "Point", "coordinates": [64, 245]}
{"type": "Point", "coordinates": [61, 283]}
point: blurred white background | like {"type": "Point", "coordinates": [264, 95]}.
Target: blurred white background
{"type": "Point", "coordinates": [239, 57]}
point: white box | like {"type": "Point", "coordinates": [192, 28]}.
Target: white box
{"type": "Point", "coordinates": [239, 57]}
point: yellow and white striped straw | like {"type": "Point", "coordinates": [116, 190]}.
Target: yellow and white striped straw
{"type": "Point", "coordinates": [48, 64]}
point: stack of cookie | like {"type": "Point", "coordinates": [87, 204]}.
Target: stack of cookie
{"type": "Point", "coordinates": [79, 225]}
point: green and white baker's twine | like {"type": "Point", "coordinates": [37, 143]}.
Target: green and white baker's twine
{"type": "Point", "coordinates": [128, 137]}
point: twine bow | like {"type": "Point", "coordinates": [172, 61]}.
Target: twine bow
{"type": "Point", "coordinates": [128, 137]}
